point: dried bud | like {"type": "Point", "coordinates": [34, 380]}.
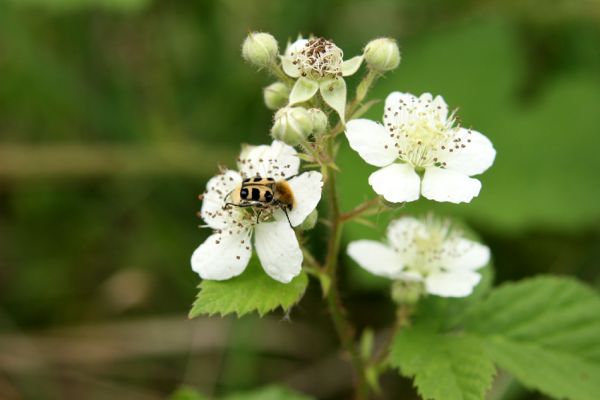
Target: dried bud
{"type": "Point", "coordinates": [276, 95]}
{"type": "Point", "coordinates": [319, 119]}
{"type": "Point", "coordinates": [260, 49]}
{"type": "Point", "coordinates": [310, 221]}
{"type": "Point", "coordinates": [382, 54]}
{"type": "Point", "coordinates": [407, 292]}
{"type": "Point", "coordinates": [292, 125]}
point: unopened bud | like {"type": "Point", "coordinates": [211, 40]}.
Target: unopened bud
{"type": "Point", "coordinates": [310, 221]}
{"type": "Point", "coordinates": [276, 95]}
{"type": "Point", "coordinates": [407, 292]}
{"type": "Point", "coordinates": [260, 49]}
{"type": "Point", "coordinates": [319, 119]}
{"type": "Point", "coordinates": [382, 54]}
{"type": "Point", "coordinates": [292, 125]}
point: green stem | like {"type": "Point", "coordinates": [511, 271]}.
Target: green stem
{"type": "Point", "coordinates": [276, 70]}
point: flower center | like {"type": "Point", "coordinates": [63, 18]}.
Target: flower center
{"type": "Point", "coordinates": [428, 246]}
{"type": "Point", "coordinates": [421, 131]}
{"type": "Point", "coordinates": [318, 59]}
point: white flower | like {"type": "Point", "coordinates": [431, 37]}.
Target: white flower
{"type": "Point", "coordinates": [422, 151]}
{"type": "Point", "coordinates": [319, 66]}
{"type": "Point", "coordinates": [227, 251]}
{"type": "Point", "coordinates": [427, 251]}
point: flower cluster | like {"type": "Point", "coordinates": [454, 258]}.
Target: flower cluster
{"type": "Point", "coordinates": [420, 149]}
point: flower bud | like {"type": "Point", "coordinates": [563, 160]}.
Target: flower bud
{"type": "Point", "coordinates": [382, 54]}
{"type": "Point", "coordinates": [276, 95]}
{"type": "Point", "coordinates": [292, 125]}
{"type": "Point", "coordinates": [319, 119]}
{"type": "Point", "coordinates": [260, 49]}
{"type": "Point", "coordinates": [310, 221]}
{"type": "Point", "coordinates": [407, 292]}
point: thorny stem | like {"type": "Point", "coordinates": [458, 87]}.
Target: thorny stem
{"type": "Point", "coordinates": [344, 328]}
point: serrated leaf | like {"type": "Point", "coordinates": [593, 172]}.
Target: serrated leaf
{"type": "Point", "coordinates": [252, 291]}
{"type": "Point", "coordinates": [273, 392]}
{"type": "Point", "coordinates": [546, 332]}
{"type": "Point", "coordinates": [444, 367]}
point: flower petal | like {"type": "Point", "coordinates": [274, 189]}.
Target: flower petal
{"type": "Point", "coordinates": [402, 108]}
{"type": "Point", "coordinates": [475, 157]}
{"type": "Point", "coordinates": [222, 256]}
{"type": "Point", "coordinates": [287, 59]}
{"type": "Point", "coordinates": [304, 89]}
{"type": "Point", "coordinates": [463, 254]}
{"type": "Point", "coordinates": [397, 183]}
{"type": "Point", "coordinates": [376, 257]}
{"type": "Point", "coordinates": [447, 185]}
{"type": "Point", "coordinates": [277, 160]}
{"type": "Point", "coordinates": [218, 189]}
{"type": "Point", "coordinates": [278, 250]}
{"type": "Point", "coordinates": [371, 141]}
{"type": "Point", "coordinates": [402, 234]}
{"type": "Point", "coordinates": [452, 284]}
{"type": "Point", "coordinates": [289, 67]}
{"type": "Point", "coordinates": [333, 92]}
{"type": "Point", "coordinates": [352, 65]}
{"type": "Point", "coordinates": [307, 189]}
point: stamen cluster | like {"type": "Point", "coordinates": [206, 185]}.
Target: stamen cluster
{"type": "Point", "coordinates": [319, 58]}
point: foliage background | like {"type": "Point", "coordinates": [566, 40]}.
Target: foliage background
{"type": "Point", "coordinates": [114, 113]}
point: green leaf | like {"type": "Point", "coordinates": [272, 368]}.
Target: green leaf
{"type": "Point", "coordinates": [546, 332]}
{"type": "Point", "coordinates": [272, 392]}
{"type": "Point", "coordinates": [252, 291]}
{"type": "Point", "coordinates": [444, 367]}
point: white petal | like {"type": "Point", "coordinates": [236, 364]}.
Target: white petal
{"type": "Point", "coordinates": [402, 234]}
{"type": "Point", "coordinates": [452, 284]}
{"type": "Point", "coordinates": [473, 159]}
{"type": "Point", "coordinates": [397, 183]}
{"type": "Point", "coordinates": [215, 197]}
{"type": "Point", "coordinates": [275, 161]}
{"type": "Point", "coordinates": [307, 189]}
{"type": "Point", "coordinates": [278, 250]}
{"type": "Point", "coordinates": [464, 254]}
{"type": "Point", "coordinates": [396, 110]}
{"type": "Point", "coordinates": [292, 48]}
{"type": "Point", "coordinates": [222, 256]}
{"type": "Point", "coordinates": [289, 67]}
{"type": "Point", "coordinates": [447, 185]}
{"type": "Point", "coordinates": [376, 257]}
{"type": "Point", "coordinates": [333, 92]}
{"type": "Point", "coordinates": [371, 141]}
{"type": "Point", "coordinates": [304, 89]}
{"type": "Point", "coordinates": [352, 65]}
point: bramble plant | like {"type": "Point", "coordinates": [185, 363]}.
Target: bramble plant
{"type": "Point", "coordinates": [452, 330]}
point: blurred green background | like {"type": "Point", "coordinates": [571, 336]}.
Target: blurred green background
{"type": "Point", "coordinates": [114, 113]}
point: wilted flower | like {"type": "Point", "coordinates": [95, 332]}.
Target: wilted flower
{"type": "Point", "coordinates": [319, 66]}
{"type": "Point", "coordinates": [227, 251]}
{"type": "Point", "coordinates": [426, 251]}
{"type": "Point", "coordinates": [422, 150]}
